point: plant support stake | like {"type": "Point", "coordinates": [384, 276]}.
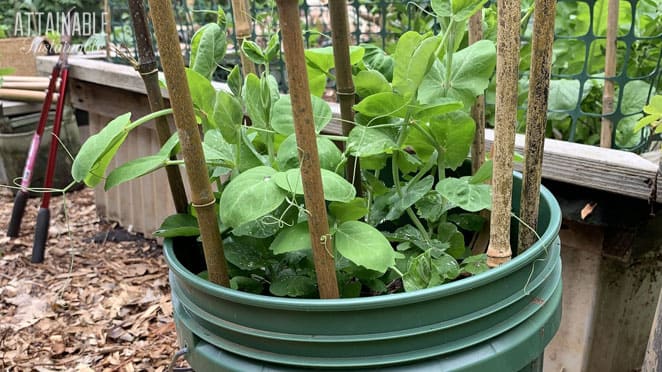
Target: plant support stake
{"type": "Point", "coordinates": [344, 83]}
{"type": "Point", "coordinates": [507, 76]}
{"type": "Point", "coordinates": [478, 109]}
{"type": "Point", "coordinates": [304, 128]}
{"type": "Point", "coordinates": [242, 28]}
{"type": "Point", "coordinates": [189, 137]}
{"type": "Point", "coordinates": [149, 73]}
{"type": "Point", "coordinates": [536, 119]}
{"type": "Point", "coordinates": [607, 129]}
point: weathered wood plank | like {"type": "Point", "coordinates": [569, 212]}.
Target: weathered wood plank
{"type": "Point", "coordinates": [653, 359]}
{"type": "Point", "coordinates": [610, 170]}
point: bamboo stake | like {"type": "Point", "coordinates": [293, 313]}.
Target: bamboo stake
{"type": "Point", "coordinates": [25, 79]}
{"type": "Point", "coordinates": [536, 118]}
{"type": "Point", "coordinates": [242, 28]}
{"type": "Point", "coordinates": [610, 72]}
{"type": "Point", "coordinates": [24, 95]}
{"type": "Point", "coordinates": [297, 78]}
{"type": "Point", "coordinates": [107, 26]}
{"type": "Point", "coordinates": [478, 109]}
{"type": "Point", "coordinates": [149, 73]}
{"type": "Point", "coordinates": [481, 239]}
{"type": "Point", "coordinates": [344, 83]}
{"type": "Point", "coordinates": [26, 85]}
{"type": "Point", "coordinates": [507, 75]}
{"type": "Point", "coordinates": [189, 137]}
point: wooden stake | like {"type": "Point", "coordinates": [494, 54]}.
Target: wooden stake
{"type": "Point", "coordinates": [297, 78]}
{"type": "Point", "coordinates": [610, 72]}
{"type": "Point", "coordinates": [478, 109]}
{"type": "Point", "coordinates": [149, 73]}
{"type": "Point", "coordinates": [507, 76]}
{"type": "Point", "coordinates": [241, 12]}
{"type": "Point", "coordinates": [344, 83]}
{"type": "Point", "coordinates": [653, 356]}
{"type": "Point", "coordinates": [189, 138]}
{"type": "Point", "coordinates": [536, 118]}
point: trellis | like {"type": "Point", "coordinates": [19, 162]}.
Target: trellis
{"type": "Point", "coordinates": [380, 22]}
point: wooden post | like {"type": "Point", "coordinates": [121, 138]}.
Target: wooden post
{"type": "Point", "coordinates": [149, 74]}
{"type": "Point", "coordinates": [304, 128]}
{"type": "Point", "coordinates": [478, 109]}
{"type": "Point", "coordinates": [507, 76]}
{"type": "Point", "coordinates": [344, 83]}
{"type": "Point", "coordinates": [202, 195]}
{"type": "Point", "coordinates": [653, 358]}
{"type": "Point", "coordinates": [241, 12]}
{"type": "Point", "coordinates": [610, 72]}
{"type": "Point", "coordinates": [536, 118]}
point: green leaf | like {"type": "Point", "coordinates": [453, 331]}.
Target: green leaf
{"type": "Point", "coordinates": [635, 94]}
{"type": "Point", "coordinates": [203, 93]}
{"type": "Point", "coordinates": [424, 271]}
{"type": "Point", "coordinates": [483, 173]}
{"type": "Point", "coordinates": [364, 245]}
{"type": "Point", "coordinates": [383, 104]}
{"type": "Point", "coordinates": [454, 132]}
{"type": "Point", "coordinates": [182, 224]}
{"type": "Point", "coordinates": [369, 82]}
{"type": "Point", "coordinates": [322, 58]}
{"type": "Point", "coordinates": [468, 196]}
{"type": "Point", "coordinates": [414, 55]}
{"type": "Point", "coordinates": [208, 47]}
{"type": "Point", "coordinates": [253, 52]}
{"type": "Point", "coordinates": [467, 221]}
{"type": "Point", "coordinates": [458, 10]}
{"type": "Point", "coordinates": [288, 154]}
{"type": "Point", "coordinates": [216, 147]}
{"type": "Point", "coordinates": [228, 116]}
{"type": "Point", "coordinates": [96, 153]}
{"type": "Point", "coordinates": [471, 70]}
{"type": "Point", "coordinates": [432, 206]}
{"type": "Point", "coordinates": [364, 142]}
{"type": "Point", "coordinates": [411, 193]}
{"type": "Point", "coordinates": [350, 211]}
{"type": "Point", "coordinates": [246, 284]}
{"type": "Point", "coordinates": [563, 97]}
{"type": "Point", "coordinates": [134, 169]}
{"type": "Point", "coordinates": [291, 239]}
{"type": "Point", "coordinates": [442, 106]}
{"type": "Point", "coordinates": [234, 81]}
{"type": "Point", "coordinates": [282, 119]}
{"type": "Point", "coordinates": [293, 286]}
{"type": "Point", "coordinates": [475, 264]}
{"type": "Point", "coordinates": [448, 233]}
{"type": "Point", "coordinates": [378, 60]}
{"type": "Point", "coordinates": [273, 48]}
{"type": "Point", "coordinates": [336, 188]}
{"type": "Point", "coordinates": [248, 254]}
{"type": "Point", "coordinates": [250, 195]}
{"type": "Point", "coordinates": [257, 110]}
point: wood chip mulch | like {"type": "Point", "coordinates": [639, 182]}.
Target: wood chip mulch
{"type": "Point", "coordinates": [95, 304]}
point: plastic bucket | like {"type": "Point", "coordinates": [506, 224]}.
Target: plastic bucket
{"type": "Point", "coordinates": [500, 320]}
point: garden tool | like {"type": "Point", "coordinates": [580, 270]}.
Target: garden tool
{"type": "Point", "coordinates": [44, 215]}
{"type": "Point", "coordinates": [60, 71]}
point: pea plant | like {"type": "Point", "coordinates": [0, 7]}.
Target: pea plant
{"type": "Point", "coordinates": [410, 227]}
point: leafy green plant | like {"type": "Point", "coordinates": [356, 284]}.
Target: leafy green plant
{"type": "Point", "coordinates": [412, 135]}
{"type": "Point", "coordinates": [653, 117]}
{"type": "Point", "coordinates": [575, 108]}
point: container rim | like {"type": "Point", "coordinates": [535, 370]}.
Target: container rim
{"type": "Point", "coordinates": [396, 299]}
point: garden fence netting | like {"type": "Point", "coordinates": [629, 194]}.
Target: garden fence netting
{"type": "Point", "coordinates": [575, 102]}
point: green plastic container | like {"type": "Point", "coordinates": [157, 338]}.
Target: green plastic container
{"type": "Point", "coordinates": [500, 320]}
